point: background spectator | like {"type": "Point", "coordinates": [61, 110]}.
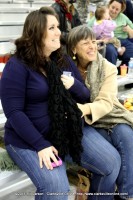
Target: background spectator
{"type": "Point", "coordinates": [123, 31]}
{"type": "Point", "coordinates": [104, 27]}
{"type": "Point", "coordinates": [82, 7]}
{"type": "Point", "coordinates": [68, 16]}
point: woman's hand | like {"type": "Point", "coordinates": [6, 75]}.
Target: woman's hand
{"type": "Point", "coordinates": [67, 81]}
{"type": "Point", "coordinates": [85, 109]}
{"type": "Point", "coordinates": [45, 155]}
{"type": "Point", "coordinates": [128, 30]}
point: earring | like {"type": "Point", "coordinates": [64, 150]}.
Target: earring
{"type": "Point", "coordinates": [74, 57]}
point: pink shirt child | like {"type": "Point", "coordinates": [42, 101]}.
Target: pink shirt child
{"type": "Point", "coordinates": [104, 28]}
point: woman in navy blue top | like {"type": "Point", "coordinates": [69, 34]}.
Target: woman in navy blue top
{"type": "Point", "coordinates": [39, 102]}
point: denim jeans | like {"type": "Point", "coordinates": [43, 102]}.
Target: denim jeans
{"type": "Point", "coordinates": [128, 44]}
{"type": "Point", "coordinates": [49, 183]}
{"type": "Point", "coordinates": [112, 54]}
{"type": "Point", "coordinates": [102, 155]}
{"type": "Point", "coordinates": [121, 137]}
{"type": "Point", "coordinates": [101, 158]}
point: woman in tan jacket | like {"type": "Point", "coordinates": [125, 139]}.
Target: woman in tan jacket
{"type": "Point", "coordinates": [108, 125]}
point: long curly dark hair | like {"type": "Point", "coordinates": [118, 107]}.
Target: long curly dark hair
{"type": "Point", "coordinates": [29, 47]}
{"type": "Point", "coordinates": [66, 125]}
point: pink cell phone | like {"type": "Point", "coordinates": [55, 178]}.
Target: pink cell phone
{"type": "Point", "coordinates": [59, 162]}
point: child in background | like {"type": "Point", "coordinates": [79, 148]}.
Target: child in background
{"type": "Point", "coordinates": [104, 27]}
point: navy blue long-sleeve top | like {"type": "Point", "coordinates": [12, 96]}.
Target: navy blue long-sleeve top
{"type": "Point", "coordinates": [24, 97]}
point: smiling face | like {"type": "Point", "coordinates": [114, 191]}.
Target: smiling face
{"type": "Point", "coordinates": [86, 51]}
{"type": "Point", "coordinates": [82, 45]}
{"type": "Point", "coordinates": [114, 9]}
{"type": "Point", "coordinates": [51, 40]}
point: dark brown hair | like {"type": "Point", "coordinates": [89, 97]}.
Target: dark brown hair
{"type": "Point", "coordinates": [29, 47]}
{"type": "Point", "coordinates": [100, 12]}
{"type": "Point", "coordinates": [122, 2]}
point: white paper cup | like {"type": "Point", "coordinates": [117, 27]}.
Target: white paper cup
{"type": "Point", "coordinates": [67, 73]}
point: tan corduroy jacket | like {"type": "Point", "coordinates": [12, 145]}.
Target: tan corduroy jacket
{"type": "Point", "coordinates": [107, 99]}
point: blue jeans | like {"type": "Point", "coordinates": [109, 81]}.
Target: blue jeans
{"type": "Point", "coordinates": [99, 156]}
{"type": "Point", "coordinates": [46, 181]}
{"type": "Point", "coordinates": [128, 44]}
{"type": "Point", "coordinates": [121, 137]}
{"type": "Point", "coordinates": [112, 54]}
